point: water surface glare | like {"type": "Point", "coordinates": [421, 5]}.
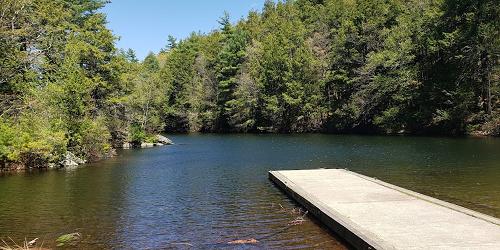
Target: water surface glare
{"type": "Point", "coordinates": [208, 190]}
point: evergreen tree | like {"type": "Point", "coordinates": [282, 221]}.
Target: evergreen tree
{"type": "Point", "coordinates": [228, 65]}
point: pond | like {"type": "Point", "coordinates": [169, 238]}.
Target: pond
{"type": "Point", "coordinates": [208, 190]}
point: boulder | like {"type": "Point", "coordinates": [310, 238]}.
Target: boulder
{"type": "Point", "coordinates": [127, 145]}
{"type": "Point", "coordinates": [71, 160]}
{"type": "Point", "coordinates": [164, 140]}
{"type": "Point", "coordinates": [147, 145]}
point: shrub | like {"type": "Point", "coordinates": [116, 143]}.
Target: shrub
{"type": "Point", "coordinates": [136, 134]}
{"type": "Point", "coordinates": [32, 140]}
{"type": "Point", "coordinates": [93, 139]}
{"type": "Point", "coordinates": [8, 141]}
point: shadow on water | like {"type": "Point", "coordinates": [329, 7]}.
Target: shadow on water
{"type": "Point", "coordinates": [208, 190]}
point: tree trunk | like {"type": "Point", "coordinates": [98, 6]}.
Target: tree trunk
{"type": "Point", "coordinates": [485, 63]}
{"type": "Point", "coordinates": [488, 94]}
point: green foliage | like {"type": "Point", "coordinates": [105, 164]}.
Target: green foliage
{"type": "Point", "coordinates": [148, 98]}
{"type": "Point", "coordinates": [137, 134]}
{"type": "Point", "coordinates": [339, 66]}
{"type": "Point", "coordinates": [33, 141]}
{"type": "Point", "coordinates": [8, 141]}
{"type": "Point", "coordinates": [297, 66]}
{"type": "Point", "coordinates": [228, 65]}
{"type": "Point", "coordinates": [68, 239]}
{"type": "Point", "coordinates": [58, 72]}
{"type": "Point", "coordinates": [93, 139]}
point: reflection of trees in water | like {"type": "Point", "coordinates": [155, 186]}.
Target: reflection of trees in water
{"type": "Point", "coordinates": [212, 189]}
{"type": "Point", "coordinates": [47, 205]}
{"type": "Point", "coordinates": [463, 171]}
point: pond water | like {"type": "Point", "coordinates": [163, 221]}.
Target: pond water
{"type": "Point", "coordinates": [208, 190]}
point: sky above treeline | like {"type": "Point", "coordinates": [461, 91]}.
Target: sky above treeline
{"type": "Point", "coordinates": [144, 25]}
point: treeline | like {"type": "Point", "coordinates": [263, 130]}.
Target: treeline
{"type": "Point", "coordinates": [373, 66]}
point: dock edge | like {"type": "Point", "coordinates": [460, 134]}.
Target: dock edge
{"type": "Point", "coordinates": [342, 226]}
{"type": "Point", "coordinates": [335, 222]}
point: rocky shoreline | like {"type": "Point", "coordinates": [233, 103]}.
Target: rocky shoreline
{"type": "Point", "coordinates": [160, 140]}
{"type": "Point", "coordinates": [71, 161]}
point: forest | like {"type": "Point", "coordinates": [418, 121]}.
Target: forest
{"type": "Point", "coordinates": [424, 67]}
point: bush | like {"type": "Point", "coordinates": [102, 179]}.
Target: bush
{"type": "Point", "coordinates": [32, 140]}
{"type": "Point", "coordinates": [40, 141]}
{"type": "Point", "coordinates": [8, 141]}
{"type": "Point", "coordinates": [93, 139]}
{"type": "Point", "coordinates": [136, 134]}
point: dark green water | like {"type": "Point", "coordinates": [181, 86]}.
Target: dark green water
{"type": "Point", "coordinates": [208, 190]}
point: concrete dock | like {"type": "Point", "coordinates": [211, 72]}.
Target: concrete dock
{"type": "Point", "coordinates": [372, 214]}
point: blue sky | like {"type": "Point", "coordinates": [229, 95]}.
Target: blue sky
{"type": "Point", "coordinates": [144, 25]}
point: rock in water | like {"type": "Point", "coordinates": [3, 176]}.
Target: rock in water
{"type": "Point", "coordinates": [71, 160]}
{"type": "Point", "coordinates": [164, 140]}
{"type": "Point", "coordinates": [68, 239]}
{"type": "Point", "coordinates": [244, 241]}
{"type": "Point", "coordinates": [127, 145]}
{"type": "Point", "coordinates": [147, 145]}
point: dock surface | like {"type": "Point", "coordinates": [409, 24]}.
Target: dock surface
{"type": "Point", "coordinates": [372, 214]}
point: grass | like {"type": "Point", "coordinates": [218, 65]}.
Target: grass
{"type": "Point", "coordinates": [26, 245]}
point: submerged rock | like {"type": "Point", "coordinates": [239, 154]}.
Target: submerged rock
{"type": "Point", "coordinates": [164, 140]}
{"type": "Point", "coordinates": [244, 241]}
{"type": "Point", "coordinates": [68, 239]}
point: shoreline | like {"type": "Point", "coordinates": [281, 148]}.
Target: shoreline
{"type": "Point", "coordinates": [17, 167]}
{"type": "Point", "coordinates": [70, 161]}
